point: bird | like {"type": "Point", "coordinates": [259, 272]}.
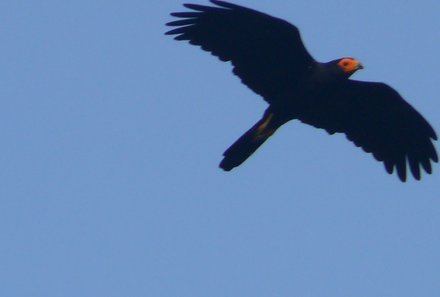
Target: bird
{"type": "Point", "coordinates": [269, 56]}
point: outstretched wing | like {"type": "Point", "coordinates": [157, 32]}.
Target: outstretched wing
{"type": "Point", "coordinates": [267, 53]}
{"type": "Point", "coordinates": [375, 117]}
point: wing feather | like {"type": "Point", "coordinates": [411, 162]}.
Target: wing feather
{"type": "Point", "coordinates": [377, 119]}
{"type": "Point", "coordinates": [267, 53]}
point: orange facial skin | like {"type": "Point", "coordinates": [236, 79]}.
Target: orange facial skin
{"type": "Point", "coordinates": [350, 65]}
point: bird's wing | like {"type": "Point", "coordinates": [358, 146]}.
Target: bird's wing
{"type": "Point", "coordinates": [267, 53]}
{"type": "Point", "coordinates": [375, 117]}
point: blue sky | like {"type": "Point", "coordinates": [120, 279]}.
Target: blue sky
{"type": "Point", "coordinates": [111, 134]}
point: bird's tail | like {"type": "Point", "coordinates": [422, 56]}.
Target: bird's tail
{"type": "Point", "coordinates": [250, 141]}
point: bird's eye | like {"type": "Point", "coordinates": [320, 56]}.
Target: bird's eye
{"type": "Point", "coordinates": [345, 63]}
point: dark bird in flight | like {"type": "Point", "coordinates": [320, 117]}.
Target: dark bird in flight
{"type": "Point", "coordinates": [269, 57]}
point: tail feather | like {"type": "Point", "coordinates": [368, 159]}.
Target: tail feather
{"type": "Point", "coordinates": [249, 142]}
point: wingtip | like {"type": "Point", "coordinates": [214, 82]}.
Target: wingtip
{"type": "Point", "coordinates": [225, 4]}
{"type": "Point", "coordinates": [200, 8]}
{"type": "Point", "coordinates": [217, 2]}
{"type": "Point", "coordinates": [402, 178]}
{"type": "Point", "coordinates": [435, 157]}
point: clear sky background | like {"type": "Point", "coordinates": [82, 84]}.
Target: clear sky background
{"type": "Point", "coordinates": [111, 134]}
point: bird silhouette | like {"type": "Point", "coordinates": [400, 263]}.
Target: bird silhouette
{"type": "Point", "coordinates": [269, 57]}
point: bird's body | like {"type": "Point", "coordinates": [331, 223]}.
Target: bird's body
{"type": "Point", "coordinates": [268, 55]}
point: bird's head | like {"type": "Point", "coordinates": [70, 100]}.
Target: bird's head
{"type": "Point", "coordinates": [348, 66]}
